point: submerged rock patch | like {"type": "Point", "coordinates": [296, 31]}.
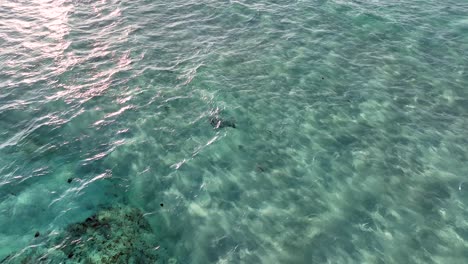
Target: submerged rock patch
{"type": "Point", "coordinates": [115, 235]}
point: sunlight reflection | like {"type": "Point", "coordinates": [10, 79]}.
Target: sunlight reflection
{"type": "Point", "coordinates": [39, 28]}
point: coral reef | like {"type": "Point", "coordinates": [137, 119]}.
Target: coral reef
{"type": "Point", "coordinates": [115, 235]}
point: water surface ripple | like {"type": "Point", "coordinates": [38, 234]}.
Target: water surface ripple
{"type": "Point", "coordinates": [245, 131]}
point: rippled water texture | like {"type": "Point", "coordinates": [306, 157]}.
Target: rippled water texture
{"type": "Point", "coordinates": [244, 131]}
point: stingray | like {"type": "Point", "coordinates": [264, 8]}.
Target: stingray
{"type": "Point", "coordinates": [217, 122]}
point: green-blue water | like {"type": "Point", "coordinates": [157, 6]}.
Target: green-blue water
{"type": "Point", "coordinates": [350, 141]}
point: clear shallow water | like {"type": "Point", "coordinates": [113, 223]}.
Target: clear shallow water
{"type": "Point", "coordinates": [350, 141]}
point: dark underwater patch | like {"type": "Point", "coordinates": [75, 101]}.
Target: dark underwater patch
{"type": "Point", "coordinates": [115, 235]}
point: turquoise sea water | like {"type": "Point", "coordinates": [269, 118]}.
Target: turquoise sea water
{"type": "Point", "coordinates": [350, 140]}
